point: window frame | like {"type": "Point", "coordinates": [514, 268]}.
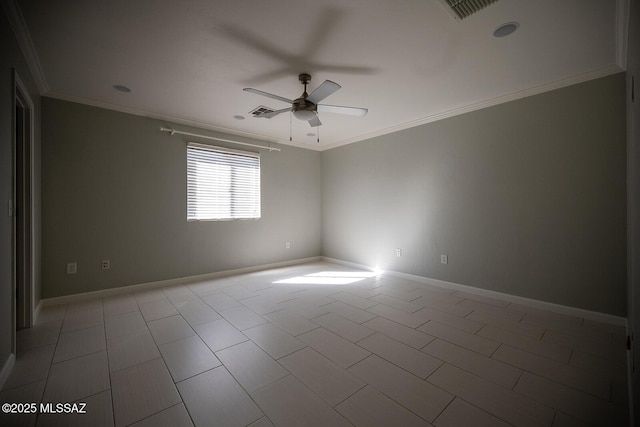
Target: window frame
{"type": "Point", "coordinates": [240, 194]}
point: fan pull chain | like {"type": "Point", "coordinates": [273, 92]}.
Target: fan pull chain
{"type": "Point", "coordinates": [290, 115]}
{"type": "Point", "coordinates": [318, 136]}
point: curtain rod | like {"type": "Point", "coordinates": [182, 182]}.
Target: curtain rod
{"type": "Point", "coordinates": [173, 131]}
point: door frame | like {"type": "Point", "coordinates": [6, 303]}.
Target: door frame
{"type": "Point", "coordinates": [23, 209]}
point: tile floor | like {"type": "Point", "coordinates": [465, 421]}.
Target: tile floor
{"type": "Point", "coordinates": [317, 344]}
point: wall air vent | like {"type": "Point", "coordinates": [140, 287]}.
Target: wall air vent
{"type": "Point", "coordinates": [461, 9]}
{"type": "Point", "coordinates": [259, 111]}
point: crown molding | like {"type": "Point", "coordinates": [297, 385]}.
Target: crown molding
{"type": "Point", "coordinates": [169, 120]}
{"type": "Point", "coordinates": [16, 20]}
{"type": "Point", "coordinates": [535, 90]}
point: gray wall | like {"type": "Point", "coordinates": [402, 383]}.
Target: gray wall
{"type": "Point", "coordinates": [11, 58]}
{"type": "Point", "coordinates": [114, 187]}
{"type": "Point", "coordinates": [526, 198]}
{"type": "Point", "coordinates": [633, 194]}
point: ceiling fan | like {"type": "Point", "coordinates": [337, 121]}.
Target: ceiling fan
{"type": "Point", "coordinates": [306, 107]}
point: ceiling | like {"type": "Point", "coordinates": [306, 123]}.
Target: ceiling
{"type": "Point", "coordinates": [408, 61]}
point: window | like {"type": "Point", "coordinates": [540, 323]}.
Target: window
{"type": "Point", "coordinates": [222, 183]}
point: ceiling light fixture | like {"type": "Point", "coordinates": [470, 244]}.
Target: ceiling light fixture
{"type": "Point", "coordinates": [121, 88]}
{"type": "Point", "coordinates": [505, 30]}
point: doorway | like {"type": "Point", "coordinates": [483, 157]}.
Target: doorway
{"type": "Point", "coordinates": [22, 207]}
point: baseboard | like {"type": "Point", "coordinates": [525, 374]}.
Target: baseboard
{"type": "Point", "coordinates": [36, 312]}
{"type": "Point", "coordinates": [6, 369]}
{"type": "Point", "coordinates": [66, 299]}
{"type": "Point", "coordinates": [529, 302]}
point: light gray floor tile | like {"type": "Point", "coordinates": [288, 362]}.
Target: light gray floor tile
{"type": "Point", "coordinates": [51, 313]}
{"type": "Point", "coordinates": [288, 402]}
{"type": "Point", "coordinates": [77, 378]}
{"type": "Point", "coordinates": [400, 304]}
{"type": "Point", "coordinates": [214, 396]}
{"type": "Point", "coordinates": [175, 416]}
{"type": "Point", "coordinates": [30, 366]}
{"type": "Point", "coordinates": [131, 349]}
{"type": "Point", "coordinates": [563, 420]}
{"type": "Point", "coordinates": [598, 346]}
{"type": "Point", "coordinates": [92, 304]}
{"type": "Point", "coordinates": [510, 312]}
{"type": "Point", "coordinates": [397, 316]}
{"type": "Point", "coordinates": [80, 343]}
{"type": "Point", "coordinates": [398, 332]}
{"type": "Point", "coordinates": [443, 306]}
{"type": "Point", "coordinates": [354, 300]}
{"type": "Point", "coordinates": [260, 305]}
{"type": "Point", "coordinates": [262, 422]}
{"type": "Point", "coordinates": [147, 296]}
{"type": "Point", "coordinates": [252, 367]}
{"type": "Point", "coordinates": [157, 309]}
{"type": "Point", "coordinates": [462, 323]}
{"type": "Point", "coordinates": [456, 336]}
{"type": "Point", "coordinates": [335, 348]}
{"type": "Point", "coordinates": [99, 413]}
{"type": "Point", "coordinates": [42, 334]}
{"type": "Point", "coordinates": [349, 312]}
{"type": "Point", "coordinates": [119, 304]}
{"type": "Point", "coordinates": [274, 340]}
{"type": "Point", "coordinates": [369, 407]}
{"type": "Point", "coordinates": [220, 302]}
{"type": "Point", "coordinates": [124, 324]}
{"type": "Point", "coordinates": [219, 334]}
{"type": "Point", "coordinates": [420, 397]}
{"type": "Point", "coordinates": [27, 393]}
{"type": "Point", "coordinates": [570, 401]}
{"type": "Point", "coordinates": [460, 413]}
{"type": "Point", "coordinates": [196, 312]}
{"type": "Point", "coordinates": [551, 350]}
{"type": "Point", "coordinates": [500, 402]}
{"type": "Point", "coordinates": [480, 298]}
{"type": "Point", "coordinates": [347, 329]}
{"type": "Point", "coordinates": [556, 371]}
{"type": "Point", "coordinates": [76, 320]}
{"type": "Point", "coordinates": [188, 357]}
{"type": "Point", "coordinates": [290, 322]}
{"type": "Point", "coordinates": [142, 390]}
{"type": "Point", "coordinates": [408, 358]}
{"type": "Point", "coordinates": [242, 318]}
{"type": "Point", "coordinates": [533, 331]}
{"type": "Point", "coordinates": [478, 364]}
{"type": "Point", "coordinates": [170, 329]}
{"type": "Point", "coordinates": [332, 383]}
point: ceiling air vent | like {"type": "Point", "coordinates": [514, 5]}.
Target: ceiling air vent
{"type": "Point", "coordinates": [258, 111]}
{"type": "Point", "coordinates": [461, 9]}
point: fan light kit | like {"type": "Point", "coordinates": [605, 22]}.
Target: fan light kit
{"type": "Point", "coordinates": [306, 107]}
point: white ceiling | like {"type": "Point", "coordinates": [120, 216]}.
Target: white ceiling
{"type": "Point", "coordinates": [408, 61]}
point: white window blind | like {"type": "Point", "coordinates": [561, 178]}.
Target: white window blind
{"type": "Point", "coordinates": [222, 183]}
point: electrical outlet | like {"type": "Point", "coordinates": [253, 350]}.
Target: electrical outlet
{"type": "Point", "coordinates": [72, 267]}
{"type": "Point", "coordinates": [287, 245]}
{"type": "Point", "coordinates": [444, 259]}
{"type": "Point", "coordinates": [398, 252]}
{"type": "Point", "coordinates": [106, 264]}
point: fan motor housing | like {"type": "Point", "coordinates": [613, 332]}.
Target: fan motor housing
{"type": "Point", "coordinates": [303, 109]}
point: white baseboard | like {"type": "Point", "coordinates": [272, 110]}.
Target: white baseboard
{"type": "Point", "coordinates": [6, 369]}
{"type": "Point", "coordinates": [529, 302]}
{"type": "Point", "coordinates": [66, 299]}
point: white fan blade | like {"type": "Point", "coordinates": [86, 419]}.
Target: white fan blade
{"type": "Point", "coordinates": [338, 109]}
{"type": "Point", "coordinates": [315, 122]}
{"type": "Point", "coordinates": [325, 89]}
{"type": "Point", "coordinates": [268, 95]}
{"type": "Point", "coordinates": [274, 113]}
